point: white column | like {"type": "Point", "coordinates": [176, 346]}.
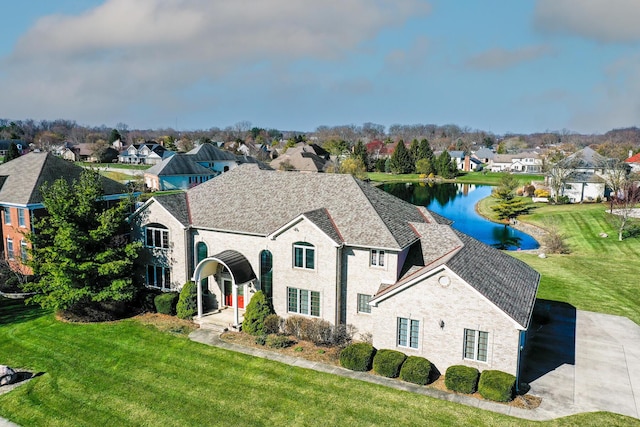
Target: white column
{"type": "Point", "coordinates": [199, 288]}
{"type": "Point", "coordinates": [234, 296]}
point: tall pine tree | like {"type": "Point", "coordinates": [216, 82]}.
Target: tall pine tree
{"type": "Point", "coordinates": [81, 254]}
{"type": "Point", "coordinates": [401, 161]}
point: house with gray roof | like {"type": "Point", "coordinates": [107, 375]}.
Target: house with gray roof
{"type": "Point", "coordinates": [21, 181]}
{"type": "Point", "coordinates": [183, 171]}
{"type": "Point", "coordinates": [332, 247]}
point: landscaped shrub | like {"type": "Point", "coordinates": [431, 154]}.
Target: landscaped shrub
{"type": "Point", "coordinates": [357, 357]}
{"type": "Point", "coordinates": [541, 192]}
{"type": "Point", "coordinates": [318, 331]}
{"type": "Point", "coordinates": [496, 385]}
{"type": "Point", "coordinates": [388, 363]}
{"type": "Point", "coordinates": [415, 370]}
{"type": "Point", "coordinates": [256, 313]}
{"type": "Point", "coordinates": [188, 302]}
{"type": "Point", "coordinates": [166, 302]}
{"type": "Point", "coordinates": [292, 325]}
{"type": "Point", "coordinates": [261, 339]}
{"type": "Point", "coordinates": [279, 341]}
{"type": "Point", "coordinates": [463, 379]}
{"type": "Point", "coordinates": [272, 324]}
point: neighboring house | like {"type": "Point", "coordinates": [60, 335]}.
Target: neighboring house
{"type": "Point", "coordinates": [465, 162]}
{"type": "Point", "coordinates": [518, 163]}
{"type": "Point", "coordinates": [183, 171]}
{"type": "Point", "coordinates": [148, 153]}
{"type": "Point", "coordinates": [634, 162]}
{"type": "Point", "coordinates": [84, 152]}
{"type": "Point", "coordinates": [331, 247]}
{"type": "Point", "coordinates": [20, 197]}
{"type": "Point", "coordinates": [5, 144]}
{"type": "Point", "coordinates": [176, 172]}
{"type": "Point", "coordinates": [484, 155]}
{"type": "Point", "coordinates": [587, 179]}
{"type": "Point", "coordinates": [303, 158]}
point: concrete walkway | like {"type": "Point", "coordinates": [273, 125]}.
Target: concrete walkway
{"type": "Point", "coordinates": [578, 362]}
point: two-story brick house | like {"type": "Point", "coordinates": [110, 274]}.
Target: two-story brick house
{"type": "Point", "coordinates": [332, 247]}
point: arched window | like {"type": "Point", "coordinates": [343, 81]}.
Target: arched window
{"type": "Point", "coordinates": [266, 273]}
{"type": "Point", "coordinates": [304, 255]}
{"type": "Point", "coordinates": [157, 236]}
{"type": "Point", "coordinates": [201, 253]}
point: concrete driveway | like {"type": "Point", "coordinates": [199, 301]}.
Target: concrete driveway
{"type": "Point", "coordinates": [580, 361]}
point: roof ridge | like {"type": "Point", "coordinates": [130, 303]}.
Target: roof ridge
{"type": "Point", "coordinates": [360, 185]}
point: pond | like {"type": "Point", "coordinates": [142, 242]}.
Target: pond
{"type": "Point", "coordinates": [457, 202]}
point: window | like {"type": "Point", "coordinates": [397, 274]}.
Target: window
{"type": "Point", "coordinates": [408, 332]}
{"type": "Point", "coordinates": [302, 301]}
{"type": "Point", "coordinates": [377, 257]}
{"type": "Point", "coordinates": [304, 255]}
{"type": "Point", "coordinates": [23, 250]}
{"type": "Point", "coordinates": [201, 253]}
{"type": "Point", "coordinates": [476, 345]}
{"type": "Point", "coordinates": [10, 253]}
{"type": "Point", "coordinates": [159, 277]}
{"type": "Point", "coordinates": [363, 303]}
{"type": "Point", "coordinates": [7, 216]}
{"type": "Point", "coordinates": [266, 273]}
{"type": "Point", "coordinates": [157, 237]}
{"type": "Point", "coordinates": [21, 218]}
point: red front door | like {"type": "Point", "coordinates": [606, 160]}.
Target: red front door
{"type": "Point", "coordinates": [228, 294]}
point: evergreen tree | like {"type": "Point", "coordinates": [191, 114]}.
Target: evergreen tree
{"type": "Point", "coordinates": [114, 136]}
{"type": "Point", "coordinates": [81, 254]}
{"type": "Point", "coordinates": [256, 313]}
{"type": "Point", "coordinates": [401, 162]}
{"type": "Point", "coordinates": [414, 149]}
{"type": "Point", "coordinates": [425, 151]}
{"type": "Point", "coordinates": [445, 166]}
{"type": "Point", "coordinates": [12, 153]}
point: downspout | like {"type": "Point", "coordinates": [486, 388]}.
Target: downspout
{"type": "Point", "coordinates": [522, 340]}
{"type": "Point", "coordinates": [338, 285]}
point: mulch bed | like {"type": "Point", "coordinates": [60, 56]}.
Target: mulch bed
{"type": "Point", "coordinates": [330, 355]}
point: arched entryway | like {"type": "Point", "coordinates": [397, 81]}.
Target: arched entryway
{"type": "Point", "coordinates": [239, 273]}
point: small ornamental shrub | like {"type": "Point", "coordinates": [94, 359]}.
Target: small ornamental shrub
{"type": "Point", "coordinates": [541, 192]}
{"type": "Point", "coordinates": [463, 379]}
{"type": "Point", "coordinates": [146, 299]}
{"type": "Point", "coordinates": [279, 341]}
{"type": "Point", "coordinates": [293, 325]}
{"type": "Point", "coordinates": [256, 313]}
{"type": "Point", "coordinates": [261, 339]}
{"type": "Point", "coordinates": [272, 324]}
{"type": "Point", "coordinates": [357, 357]}
{"type": "Point", "coordinates": [416, 370]}
{"type": "Point", "coordinates": [496, 385]}
{"type": "Point", "coordinates": [166, 303]}
{"type": "Point", "coordinates": [188, 302]}
{"type": "Point", "coordinates": [388, 363]}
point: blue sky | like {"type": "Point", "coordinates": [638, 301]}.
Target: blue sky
{"type": "Point", "coordinates": [498, 65]}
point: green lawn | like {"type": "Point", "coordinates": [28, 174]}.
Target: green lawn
{"type": "Point", "coordinates": [487, 178]}
{"type": "Point", "coordinates": [600, 274]}
{"type": "Point", "coordinates": [129, 374]}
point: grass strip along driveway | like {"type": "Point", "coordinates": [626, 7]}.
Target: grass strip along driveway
{"type": "Point", "coordinates": [126, 373]}
{"type": "Point", "coordinates": [600, 274]}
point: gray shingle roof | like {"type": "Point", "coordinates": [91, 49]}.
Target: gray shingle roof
{"type": "Point", "coordinates": [176, 204]}
{"type": "Point", "coordinates": [25, 175]}
{"type": "Point", "coordinates": [507, 282]}
{"type": "Point", "coordinates": [362, 214]}
{"type": "Point", "coordinates": [322, 219]}
{"type": "Point", "coordinates": [178, 164]}
{"type": "Point", "coordinates": [209, 152]}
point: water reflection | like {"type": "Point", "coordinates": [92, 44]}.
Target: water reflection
{"type": "Point", "coordinates": [457, 203]}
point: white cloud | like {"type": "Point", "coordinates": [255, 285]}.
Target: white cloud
{"type": "Point", "coordinates": [146, 52]}
{"type": "Point", "coordinates": [604, 21]}
{"type": "Point", "coordinates": [499, 58]}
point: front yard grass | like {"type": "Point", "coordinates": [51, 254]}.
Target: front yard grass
{"type": "Point", "coordinates": [129, 373]}
{"type": "Point", "coordinates": [599, 274]}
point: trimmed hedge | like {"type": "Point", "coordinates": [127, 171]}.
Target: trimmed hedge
{"type": "Point", "coordinates": [497, 386]}
{"type": "Point", "coordinates": [416, 370]}
{"type": "Point", "coordinates": [388, 363]}
{"type": "Point", "coordinates": [357, 357]}
{"type": "Point", "coordinates": [463, 379]}
{"type": "Point", "coordinates": [166, 303]}
{"type": "Point", "coordinates": [188, 301]}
